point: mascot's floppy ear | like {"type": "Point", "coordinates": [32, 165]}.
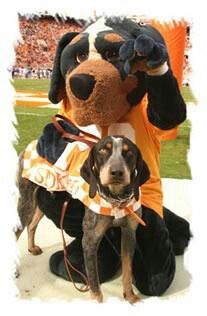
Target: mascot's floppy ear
{"type": "Point", "coordinates": [57, 84]}
{"type": "Point", "coordinates": [142, 174]}
{"type": "Point", "coordinates": [87, 173]}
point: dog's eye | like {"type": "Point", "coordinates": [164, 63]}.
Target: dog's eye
{"type": "Point", "coordinates": [111, 56]}
{"type": "Point", "coordinates": [127, 152]}
{"type": "Point", "coordinates": [81, 57]}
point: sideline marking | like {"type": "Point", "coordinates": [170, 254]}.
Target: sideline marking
{"type": "Point", "coordinates": [34, 114]}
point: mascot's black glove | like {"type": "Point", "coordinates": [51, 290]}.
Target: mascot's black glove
{"type": "Point", "coordinates": [51, 145]}
{"type": "Point", "coordinates": [144, 54]}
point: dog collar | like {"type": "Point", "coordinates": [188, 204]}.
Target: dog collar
{"type": "Point", "coordinates": [120, 204]}
{"type": "Point", "coordinates": [116, 202]}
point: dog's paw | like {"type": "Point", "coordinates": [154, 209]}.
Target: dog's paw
{"type": "Point", "coordinates": [131, 297]}
{"type": "Point", "coordinates": [98, 296]}
{"type": "Point", "coordinates": [35, 251]}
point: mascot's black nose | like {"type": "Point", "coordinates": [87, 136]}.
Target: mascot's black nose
{"type": "Point", "coordinates": [82, 85]}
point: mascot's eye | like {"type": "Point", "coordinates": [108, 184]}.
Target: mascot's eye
{"type": "Point", "coordinates": [112, 56]}
{"type": "Point", "coordinates": [141, 23]}
{"type": "Point", "coordinates": [81, 57]}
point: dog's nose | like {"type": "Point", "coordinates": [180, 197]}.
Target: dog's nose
{"type": "Point", "coordinates": [82, 85]}
{"type": "Point", "coordinates": [116, 173]}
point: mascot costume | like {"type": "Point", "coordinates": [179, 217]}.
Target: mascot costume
{"type": "Point", "coordinates": [113, 78]}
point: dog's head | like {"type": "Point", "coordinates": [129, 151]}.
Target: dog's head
{"type": "Point", "coordinates": [89, 74]}
{"type": "Point", "coordinates": [115, 167]}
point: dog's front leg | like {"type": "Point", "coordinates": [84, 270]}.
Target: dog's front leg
{"type": "Point", "coordinates": [128, 241]}
{"type": "Point", "coordinates": [94, 227]}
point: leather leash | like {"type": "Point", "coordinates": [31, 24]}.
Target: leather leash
{"type": "Point", "coordinates": [90, 140]}
{"type": "Point", "coordinates": [83, 136]}
{"type": "Point", "coordinates": [68, 264]}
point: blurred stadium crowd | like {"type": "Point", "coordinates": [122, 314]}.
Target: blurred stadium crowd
{"type": "Point", "coordinates": [40, 35]}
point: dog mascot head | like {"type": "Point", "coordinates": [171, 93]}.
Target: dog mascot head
{"type": "Point", "coordinates": [91, 74]}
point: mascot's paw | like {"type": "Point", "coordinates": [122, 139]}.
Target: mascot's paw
{"type": "Point", "coordinates": [51, 144]}
{"type": "Point", "coordinates": [143, 54]}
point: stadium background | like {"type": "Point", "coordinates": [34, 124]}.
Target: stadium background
{"type": "Point", "coordinates": [32, 71]}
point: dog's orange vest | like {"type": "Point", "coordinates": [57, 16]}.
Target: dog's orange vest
{"type": "Point", "coordinates": [64, 175]}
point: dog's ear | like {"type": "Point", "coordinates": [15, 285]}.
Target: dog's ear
{"type": "Point", "coordinates": [57, 84]}
{"type": "Point", "coordinates": [142, 174]}
{"type": "Point", "coordinates": [145, 173]}
{"type": "Point", "coordinates": [88, 174]}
